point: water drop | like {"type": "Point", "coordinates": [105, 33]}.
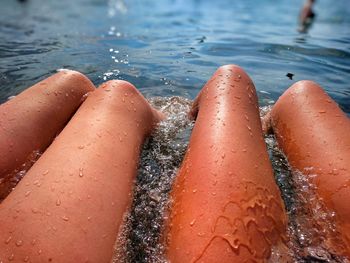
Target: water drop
{"type": "Point", "coordinates": [65, 218]}
{"type": "Point", "coordinates": [8, 240]}
{"type": "Point", "coordinates": [58, 202]}
{"type": "Point", "coordinates": [19, 243]}
{"type": "Point", "coordinates": [81, 147]}
{"type": "Point", "coordinates": [193, 222]}
{"type": "Point", "coordinates": [27, 193]}
{"type": "Point", "coordinates": [81, 174]}
{"type": "Point", "coordinates": [11, 257]}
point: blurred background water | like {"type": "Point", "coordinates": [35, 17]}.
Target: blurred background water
{"type": "Point", "coordinates": [171, 47]}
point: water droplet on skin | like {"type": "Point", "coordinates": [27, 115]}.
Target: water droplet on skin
{"type": "Point", "coordinates": [65, 218]}
{"type": "Point", "coordinates": [11, 257]}
{"type": "Point", "coordinates": [322, 111]}
{"type": "Point", "coordinates": [8, 240]}
{"type": "Point", "coordinates": [40, 251]}
{"type": "Point", "coordinates": [58, 202]}
{"type": "Point", "coordinates": [27, 193]}
{"type": "Point", "coordinates": [81, 174]}
{"type": "Point", "coordinates": [193, 222]}
{"type": "Point", "coordinates": [194, 191]}
{"type": "Point", "coordinates": [35, 210]}
{"type": "Point", "coordinates": [26, 259]}
{"type": "Point", "coordinates": [19, 243]}
{"type": "Point", "coordinates": [80, 147]}
{"type": "Point", "coordinates": [46, 172]}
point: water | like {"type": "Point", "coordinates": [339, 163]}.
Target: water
{"type": "Point", "coordinates": [168, 49]}
{"type": "Point", "coordinates": [172, 47]}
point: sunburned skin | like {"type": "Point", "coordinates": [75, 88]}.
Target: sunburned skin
{"type": "Point", "coordinates": [227, 207]}
{"type": "Point", "coordinates": [314, 134]}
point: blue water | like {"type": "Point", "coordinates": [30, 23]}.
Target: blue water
{"type": "Point", "coordinates": [171, 47]}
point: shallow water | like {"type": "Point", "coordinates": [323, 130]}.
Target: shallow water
{"type": "Point", "coordinates": [171, 47]}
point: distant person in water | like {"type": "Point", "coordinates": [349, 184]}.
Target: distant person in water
{"type": "Point", "coordinates": [227, 207]}
{"type": "Point", "coordinates": [307, 16]}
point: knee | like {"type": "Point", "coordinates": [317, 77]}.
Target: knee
{"type": "Point", "coordinates": [303, 88]}
{"type": "Point", "coordinates": [297, 96]}
{"type": "Point", "coordinates": [232, 69]}
{"type": "Point", "coordinates": [75, 81]}
{"type": "Point", "coordinates": [120, 92]}
{"type": "Point", "coordinates": [119, 88]}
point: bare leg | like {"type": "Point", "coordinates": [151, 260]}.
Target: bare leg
{"type": "Point", "coordinates": [31, 120]}
{"type": "Point", "coordinates": [69, 206]}
{"type": "Point", "coordinates": [313, 132]}
{"type": "Point", "coordinates": [227, 207]}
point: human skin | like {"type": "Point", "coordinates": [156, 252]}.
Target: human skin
{"type": "Point", "coordinates": [314, 134]}
{"type": "Point", "coordinates": [30, 121]}
{"type": "Point", "coordinates": [70, 204]}
{"type": "Point", "coordinates": [226, 205]}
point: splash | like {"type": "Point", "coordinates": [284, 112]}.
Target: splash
{"type": "Point", "coordinates": [9, 182]}
{"type": "Point", "coordinates": [310, 223]}
{"type": "Point", "coordinates": [160, 159]}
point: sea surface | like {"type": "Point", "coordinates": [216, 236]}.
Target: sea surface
{"type": "Point", "coordinates": [172, 47]}
{"type": "Point", "coordinates": [168, 49]}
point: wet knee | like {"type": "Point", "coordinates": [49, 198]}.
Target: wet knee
{"type": "Point", "coordinates": [76, 82]}
{"type": "Point", "coordinates": [303, 88]}
{"type": "Point", "coordinates": [297, 95]}
{"type": "Point", "coordinates": [231, 68]}
{"type": "Point", "coordinates": [119, 88]}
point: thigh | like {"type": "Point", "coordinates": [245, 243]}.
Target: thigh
{"type": "Point", "coordinates": [70, 204]}
{"type": "Point", "coordinates": [226, 205]}
{"type": "Point", "coordinates": [314, 134]}
{"type": "Point", "coordinates": [30, 121]}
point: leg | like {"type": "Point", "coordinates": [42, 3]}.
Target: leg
{"type": "Point", "coordinates": [227, 207]}
{"type": "Point", "coordinates": [314, 133]}
{"type": "Point", "coordinates": [69, 206]}
{"type": "Point", "coordinates": [31, 120]}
